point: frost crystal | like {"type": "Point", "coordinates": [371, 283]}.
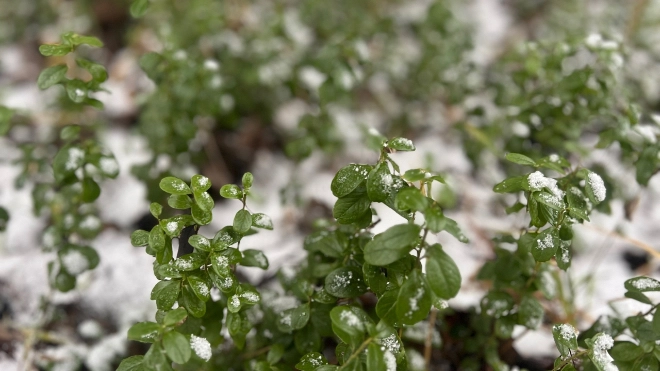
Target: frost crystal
{"type": "Point", "coordinates": [546, 242]}
{"type": "Point", "coordinates": [598, 187]}
{"type": "Point", "coordinates": [603, 342]}
{"type": "Point", "coordinates": [350, 319]}
{"type": "Point", "coordinates": [222, 261]}
{"type": "Point", "coordinates": [286, 319]}
{"type": "Point", "coordinates": [567, 331]}
{"type": "Point", "coordinates": [645, 283]}
{"type": "Point", "coordinates": [537, 181]}
{"type": "Point", "coordinates": [203, 181]}
{"type": "Point", "coordinates": [201, 347]}
{"type": "Point", "coordinates": [203, 289]}
{"type": "Point", "coordinates": [391, 343]}
{"type": "Point", "coordinates": [76, 155]}
{"type": "Point", "coordinates": [236, 302]}
{"type": "Point", "coordinates": [182, 265]}
{"type": "Point", "coordinates": [75, 262]}
{"type": "Point", "coordinates": [171, 227]}
{"type": "Point", "coordinates": [390, 361]}
{"type": "Point", "coordinates": [342, 280]}
{"type": "Point", "coordinates": [250, 296]}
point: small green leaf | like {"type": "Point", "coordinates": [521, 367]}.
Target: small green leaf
{"type": "Point", "coordinates": [167, 294]}
{"type": "Point", "coordinates": [177, 347]}
{"type": "Point", "coordinates": [254, 258]}
{"type": "Point", "coordinates": [275, 354]}
{"type": "Point", "coordinates": [545, 245]}
{"type": "Point", "coordinates": [348, 179]}
{"type": "Point", "coordinates": [261, 220]}
{"type": "Point", "coordinates": [76, 90]}
{"type": "Point", "coordinates": [180, 202]}
{"type": "Point", "coordinates": [247, 180]}
{"type": "Point", "coordinates": [67, 161]}
{"type": "Point", "coordinates": [200, 242]}
{"type": "Point", "coordinates": [565, 337]}
{"type": "Point", "coordinates": [138, 8]}
{"type": "Point", "coordinates": [98, 72]}
{"type": "Point", "coordinates": [294, 318]}
{"type": "Point", "coordinates": [174, 186]}
{"type": "Point", "coordinates": [443, 275]}
{"type": "Point", "coordinates": [349, 324]}
{"type": "Point", "coordinates": [624, 351]}
{"type": "Point", "coordinates": [391, 245]}
{"type": "Point", "coordinates": [200, 183]}
{"type": "Point", "coordinates": [192, 303]}
{"type": "Point", "coordinates": [140, 238]}
{"type": "Point", "coordinates": [189, 262]}
{"type": "Point", "coordinates": [351, 207]}
{"type": "Point", "coordinates": [379, 183]}
{"type": "Point", "coordinates": [225, 238]}
{"type": "Point", "coordinates": [376, 357]}
{"type": "Point", "coordinates": [174, 225]}
{"type": "Point", "coordinates": [90, 190]}
{"type": "Point", "coordinates": [520, 159]}
{"type": "Point", "coordinates": [242, 221]}
{"type": "Point", "coordinates": [511, 185]}
{"type": "Point", "coordinates": [401, 144]}
{"type": "Point", "coordinates": [70, 132]}
{"type": "Point", "coordinates": [411, 199]}
{"type": "Point", "coordinates": [646, 362]}
{"type": "Point", "coordinates": [132, 363]}
{"type": "Point", "coordinates": [156, 209]}
{"type": "Point", "coordinates": [345, 282]}
{"type": "Point", "coordinates": [75, 40]}
{"type": "Point", "coordinates": [238, 326]}
{"type": "Point", "coordinates": [175, 317]}
{"type": "Point", "coordinates": [56, 50]}
{"type": "Point", "coordinates": [311, 361]}
{"type": "Point", "coordinates": [435, 219]}
{"type": "Point", "coordinates": [647, 164]}
{"type": "Point", "coordinates": [453, 229]}
{"type": "Point", "coordinates": [51, 76]}
{"type": "Point", "coordinates": [549, 200]}
{"type": "Point", "coordinates": [642, 284]}
{"type": "Point", "coordinates": [200, 288]}
{"type": "Point", "coordinates": [415, 300]}
{"type": "Point", "coordinates": [414, 175]}
{"type": "Point", "coordinates": [204, 200]}
{"type": "Point", "coordinates": [145, 332]}
{"type": "Point", "coordinates": [157, 238]}
{"type": "Point", "coordinates": [231, 191]}
{"type": "Point", "coordinates": [386, 307]}
{"type": "Point", "coordinates": [200, 216]}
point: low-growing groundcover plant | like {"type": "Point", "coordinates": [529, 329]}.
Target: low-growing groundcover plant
{"type": "Point", "coordinates": [365, 301]}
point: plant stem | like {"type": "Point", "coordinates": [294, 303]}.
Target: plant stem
{"type": "Point", "coordinates": [428, 344]}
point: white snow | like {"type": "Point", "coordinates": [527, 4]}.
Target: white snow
{"type": "Point", "coordinates": [75, 262]}
{"type": "Point", "coordinates": [350, 319]}
{"type": "Point", "coordinates": [75, 158]}
{"type": "Point", "coordinates": [201, 347]}
{"type": "Point", "coordinates": [596, 183]}
{"type": "Point", "coordinates": [645, 284]}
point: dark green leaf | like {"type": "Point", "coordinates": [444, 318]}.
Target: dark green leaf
{"type": "Point", "coordinates": [76, 90]}
{"type": "Point", "coordinates": [200, 242]}
{"type": "Point", "coordinates": [520, 159]}
{"type": "Point", "coordinates": [391, 245]}
{"type": "Point", "coordinates": [443, 275]}
{"type": "Point", "coordinates": [511, 185]}
{"type": "Point", "coordinates": [167, 294]}
{"type": "Point", "coordinates": [452, 227]}
{"type": "Point", "coordinates": [435, 219]}
{"type": "Point", "coordinates": [345, 282]}
{"type": "Point", "coordinates": [174, 186]}
{"type": "Point", "coordinates": [545, 245]}
{"type": "Point", "coordinates": [200, 216]}
{"type": "Point", "coordinates": [379, 183]}
{"type": "Point", "coordinates": [192, 303]}
{"type": "Point", "coordinates": [646, 362]}
{"type": "Point", "coordinates": [415, 300]}
{"type": "Point", "coordinates": [275, 354]}
{"type": "Point", "coordinates": [348, 323]}
{"type": "Point", "coordinates": [254, 258]}
{"type": "Point", "coordinates": [376, 358]}
{"type": "Point", "coordinates": [348, 179]}
{"type": "Point", "coordinates": [411, 199]}
{"type": "Point", "coordinates": [203, 200]}
{"type": "Point", "coordinates": [549, 200]}
{"type": "Point", "coordinates": [199, 287]}
{"type": "Point", "coordinates": [646, 165]}
{"type": "Point", "coordinates": [51, 76]}
{"type": "Point", "coordinates": [624, 351]}
{"type": "Point", "coordinates": [157, 238]}
{"type": "Point", "coordinates": [189, 262]}
{"type": "Point", "coordinates": [177, 347]}
{"type": "Point", "coordinates": [294, 318]}
{"type": "Point", "coordinates": [145, 332]}
{"type": "Point", "coordinates": [67, 161]}
{"type": "Point", "coordinates": [349, 208]}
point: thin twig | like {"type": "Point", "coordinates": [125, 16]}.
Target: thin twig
{"type": "Point", "coordinates": [428, 345]}
{"type": "Point", "coordinates": [642, 245]}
